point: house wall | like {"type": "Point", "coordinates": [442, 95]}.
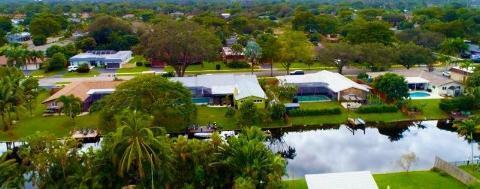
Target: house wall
{"type": "Point", "coordinates": [31, 67]}
{"type": "Point", "coordinates": [458, 77]}
{"type": "Point", "coordinates": [259, 102]}
{"type": "Point", "coordinates": [355, 91]}
{"type": "Point", "coordinates": [443, 90]}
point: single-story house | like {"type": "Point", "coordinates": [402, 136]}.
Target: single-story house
{"type": "Point", "coordinates": [328, 84]}
{"type": "Point", "coordinates": [107, 58]}
{"type": "Point", "coordinates": [87, 91]}
{"type": "Point", "coordinates": [224, 89]}
{"type": "Point", "coordinates": [18, 37]}
{"type": "Point", "coordinates": [460, 74]}
{"type": "Point", "coordinates": [228, 55]}
{"type": "Point", "coordinates": [30, 65]}
{"type": "Point", "coordinates": [421, 80]}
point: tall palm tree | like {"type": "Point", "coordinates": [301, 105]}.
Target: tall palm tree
{"type": "Point", "coordinates": [72, 106]}
{"type": "Point", "coordinates": [136, 146]}
{"type": "Point", "coordinates": [35, 56]}
{"type": "Point", "coordinates": [16, 54]}
{"type": "Point", "coordinates": [253, 52]}
{"type": "Point", "coordinates": [467, 128]}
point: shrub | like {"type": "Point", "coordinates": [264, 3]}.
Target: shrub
{"type": "Point", "coordinates": [377, 109]}
{"type": "Point", "coordinates": [169, 74]}
{"type": "Point", "coordinates": [277, 111]}
{"type": "Point", "coordinates": [218, 67]}
{"type": "Point", "coordinates": [83, 68]}
{"type": "Point", "coordinates": [57, 62]}
{"type": "Point", "coordinates": [363, 76]}
{"type": "Point", "coordinates": [230, 112]}
{"type": "Point", "coordinates": [301, 112]}
{"type": "Point", "coordinates": [39, 40]}
{"type": "Point", "coordinates": [238, 64]}
{"type": "Point", "coordinates": [139, 64]}
{"type": "Point", "coordinates": [147, 64]}
{"type": "Point", "coordinates": [457, 104]}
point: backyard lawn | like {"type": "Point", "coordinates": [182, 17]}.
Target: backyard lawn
{"type": "Point", "coordinates": [430, 111]}
{"type": "Point", "coordinates": [402, 180]}
{"type": "Point", "coordinates": [207, 115]}
{"type": "Point", "coordinates": [41, 73]}
{"type": "Point", "coordinates": [56, 125]}
{"type": "Point", "coordinates": [209, 67]}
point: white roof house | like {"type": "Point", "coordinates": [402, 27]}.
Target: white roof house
{"type": "Point", "coordinates": [240, 86]}
{"type": "Point", "coordinates": [335, 81]}
{"type": "Point", "coordinates": [111, 59]}
{"type": "Point", "coordinates": [347, 180]}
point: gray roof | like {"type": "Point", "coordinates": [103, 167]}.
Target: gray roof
{"type": "Point", "coordinates": [241, 86]}
{"type": "Point", "coordinates": [430, 76]}
{"type": "Point", "coordinates": [118, 56]}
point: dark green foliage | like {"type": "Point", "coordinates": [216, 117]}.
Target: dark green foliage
{"type": "Point", "coordinates": [218, 67]}
{"type": "Point", "coordinates": [68, 50]}
{"type": "Point", "coordinates": [230, 112]}
{"type": "Point", "coordinates": [248, 114]}
{"type": "Point", "coordinates": [110, 33]}
{"type": "Point", "coordinates": [139, 64]}
{"type": "Point", "coordinates": [39, 40]}
{"type": "Point", "coordinates": [46, 25]}
{"type": "Point", "coordinates": [363, 76]}
{"type": "Point", "coordinates": [57, 62]}
{"type": "Point", "coordinates": [474, 79]}
{"type": "Point", "coordinates": [318, 112]}
{"type": "Point", "coordinates": [84, 68]}
{"type": "Point", "coordinates": [377, 109]}
{"type": "Point", "coordinates": [462, 103]}
{"type": "Point", "coordinates": [86, 44]}
{"type": "Point", "coordinates": [5, 24]}
{"type": "Point", "coordinates": [393, 86]}
{"type": "Point", "coordinates": [238, 64]}
{"type": "Point", "coordinates": [277, 111]}
{"type": "Point", "coordinates": [169, 74]}
{"type": "Point", "coordinates": [369, 32]}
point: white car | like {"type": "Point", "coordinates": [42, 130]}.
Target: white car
{"type": "Point", "coordinates": [72, 68]}
{"type": "Point", "coordinates": [446, 73]}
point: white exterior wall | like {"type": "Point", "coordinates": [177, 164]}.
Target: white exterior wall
{"type": "Point", "coordinates": [443, 90]}
{"type": "Point", "coordinates": [30, 67]}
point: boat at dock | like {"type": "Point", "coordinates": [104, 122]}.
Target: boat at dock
{"type": "Point", "coordinates": [356, 121]}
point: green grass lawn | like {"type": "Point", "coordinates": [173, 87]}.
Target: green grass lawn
{"type": "Point", "coordinates": [473, 170]}
{"type": "Point", "coordinates": [210, 67]}
{"type": "Point", "coordinates": [417, 179]}
{"type": "Point", "coordinates": [134, 69]}
{"type": "Point", "coordinates": [91, 73]}
{"type": "Point", "coordinates": [41, 73]}
{"type": "Point", "coordinates": [403, 180]}
{"type": "Point", "coordinates": [56, 125]}
{"type": "Point", "coordinates": [429, 107]}
{"type": "Point", "coordinates": [207, 115]}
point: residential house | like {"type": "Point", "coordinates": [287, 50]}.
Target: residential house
{"type": "Point", "coordinates": [225, 15]}
{"type": "Point", "coordinates": [30, 65]}
{"type": "Point", "coordinates": [228, 55]}
{"type": "Point", "coordinates": [224, 89]}
{"type": "Point", "coordinates": [460, 74]}
{"type": "Point", "coordinates": [103, 58]}
{"type": "Point", "coordinates": [87, 91]}
{"type": "Point", "coordinates": [421, 80]}
{"type": "Point", "coordinates": [325, 84]}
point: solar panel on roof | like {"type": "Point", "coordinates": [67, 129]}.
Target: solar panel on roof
{"type": "Point", "coordinates": [102, 52]}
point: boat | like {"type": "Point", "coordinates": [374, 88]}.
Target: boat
{"type": "Point", "coordinates": [356, 121]}
{"type": "Point", "coordinates": [202, 135]}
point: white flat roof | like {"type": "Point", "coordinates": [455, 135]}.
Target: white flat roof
{"type": "Point", "coordinates": [416, 80]}
{"type": "Point", "coordinates": [346, 180]}
{"type": "Point", "coordinates": [335, 81]}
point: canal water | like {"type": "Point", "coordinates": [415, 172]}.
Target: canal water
{"type": "Point", "coordinates": [376, 148]}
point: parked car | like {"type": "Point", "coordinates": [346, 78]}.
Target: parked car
{"type": "Point", "coordinates": [297, 72]}
{"type": "Point", "coordinates": [72, 68]}
{"type": "Point", "coordinates": [446, 73]}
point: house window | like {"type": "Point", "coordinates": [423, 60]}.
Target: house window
{"type": "Point", "coordinates": [53, 104]}
{"type": "Point", "coordinates": [257, 101]}
{"type": "Point", "coordinates": [444, 88]}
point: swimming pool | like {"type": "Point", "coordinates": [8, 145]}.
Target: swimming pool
{"type": "Point", "coordinates": [201, 100]}
{"type": "Point", "coordinates": [419, 94]}
{"type": "Point", "coordinates": [313, 98]}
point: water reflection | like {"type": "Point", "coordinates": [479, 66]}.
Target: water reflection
{"type": "Point", "coordinates": [378, 149]}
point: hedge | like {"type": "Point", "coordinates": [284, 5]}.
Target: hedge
{"type": "Point", "coordinates": [377, 109]}
{"type": "Point", "coordinates": [300, 112]}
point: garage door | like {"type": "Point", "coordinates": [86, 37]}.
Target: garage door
{"type": "Point", "coordinates": [113, 65]}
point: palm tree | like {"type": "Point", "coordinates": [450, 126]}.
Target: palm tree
{"type": "Point", "coordinates": [136, 145]}
{"type": "Point", "coordinates": [16, 54]}
{"type": "Point", "coordinates": [34, 56]}
{"type": "Point", "coordinates": [467, 128]}
{"type": "Point", "coordinates": [253, 52]}
{"type": "Point", "coordinates": [72, 106]}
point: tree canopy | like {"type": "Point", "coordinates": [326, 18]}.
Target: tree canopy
{"type": "Point", "coordinates": [393, 86]}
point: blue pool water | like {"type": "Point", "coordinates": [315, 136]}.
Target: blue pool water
{"type": "Point", "coordinates": [315, 98]}
{"type": "Point", "coordinates": [201, 100]}
{"type": "Point", "coordinates": [419, 94]}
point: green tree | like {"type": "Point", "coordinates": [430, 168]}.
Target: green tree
{"type": "Point", "coordinates": [410, 55]}
{"type": "Point", "coordinates": [16, 54]}
{"type": "Point", "coordinates": [338, 55]}
{"type": "Point", "coordinates": [375, 56]}
{"type": "Point", "coordinates": [270, 47]}
{"type": "Point", "coordinates": [57, 62]}
{"type": "Point", "coordinates": [369, 32]}
{"type": "Point", "coordinates": [111, 33]}
{"type": "Point", "coordinates": [44, 26]}
{"type": "Point", "coordinates": [420, 37]}
{"type": "Point", "coordinates": [71, 106]}
{"type": "Point", "coordinates": [249, 159]}
{"type": "Point", "coordinates": [30, 92]}
{"type": "Point", "coordinates": [253, 52]}
{"type": "Point", "coordinates": [474, 79]}
{"type": "Point", "coordinates": [294, 46]}
{"type": "Point", "coordinates": [169, 102]}
{"type": "Point", "coordinates": [393, 86]}
{"type": "Point", "coordinates": [9, 176]}
{"type": "Point", "coordinates": [453, 47]}
{"type": "Point", "coordinates": [237, 49]}
{"type": "Point", "coordinates": [5, 24]}
{"type": "Point", "coordinates": [466, 128]}
{"type": "Point", "coordinates": [179, 44]}
{"type": "Point", "coordinates": [248, 114]}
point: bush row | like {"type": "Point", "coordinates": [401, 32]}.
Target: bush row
{"type": "Point", "coordinates": [300, 112]}
{"type": "Point", "coordinates": [377, 109]}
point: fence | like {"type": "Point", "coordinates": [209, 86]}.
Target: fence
{"type": "Point", "coordinates": [454, 171]}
